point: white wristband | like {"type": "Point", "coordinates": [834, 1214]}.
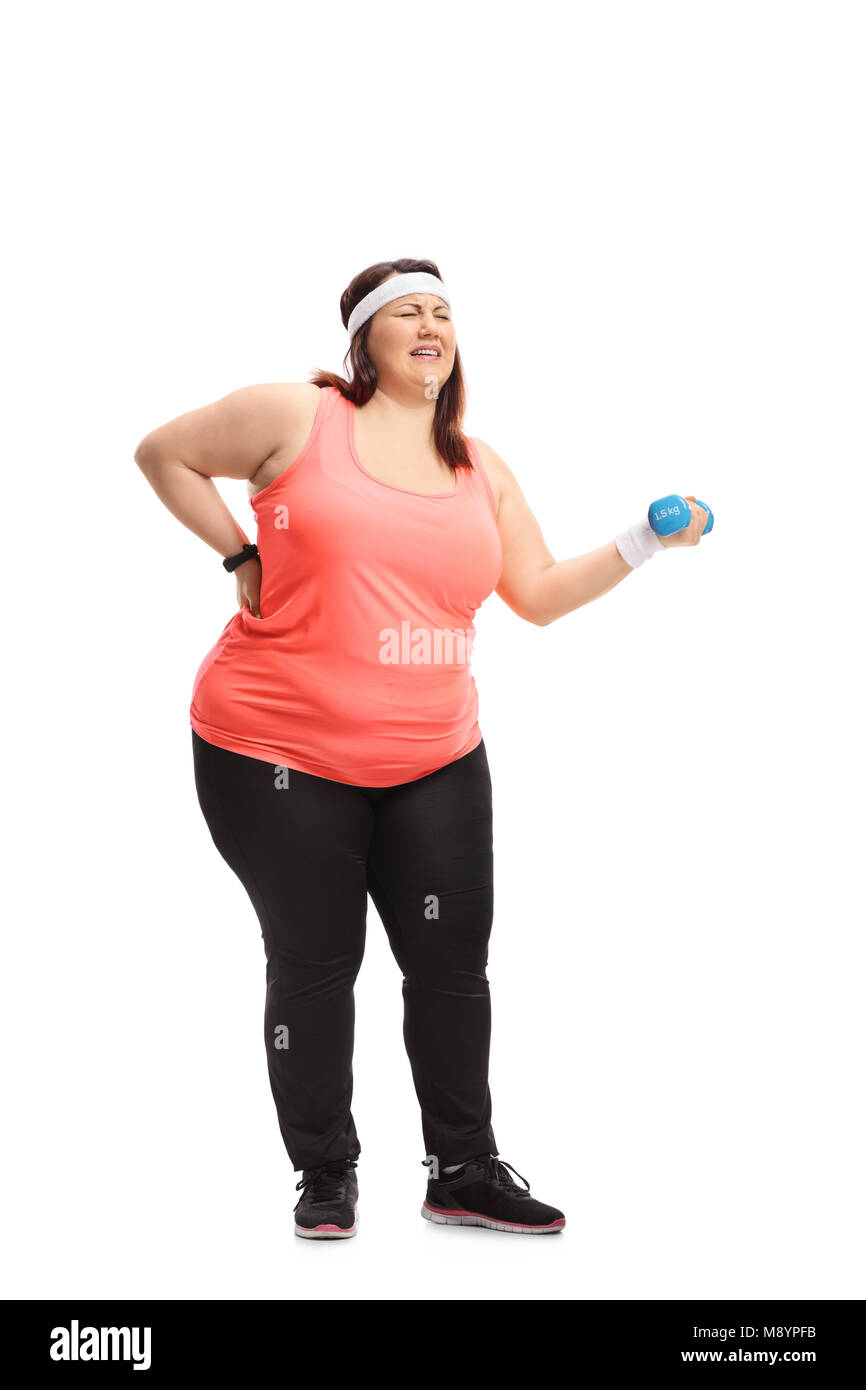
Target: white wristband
{"type": "Point", "coordinates": [638, 543]}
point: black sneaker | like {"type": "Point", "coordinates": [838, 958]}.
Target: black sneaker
{"type": "Point", "coordinates": [328, 1210]}
{"type": "Point", "coordinates": [480, 1193]}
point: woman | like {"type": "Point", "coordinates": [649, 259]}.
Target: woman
{"type": "Point", "coordinates": [336, 743]}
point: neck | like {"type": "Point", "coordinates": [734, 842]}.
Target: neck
{"type": "Point", "coordinates": [406, 412]}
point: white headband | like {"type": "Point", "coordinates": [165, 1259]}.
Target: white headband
{"type": "Point", "coordinates": [411, 282]}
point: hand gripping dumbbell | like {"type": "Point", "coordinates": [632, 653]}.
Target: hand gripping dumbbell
{"type": "Point", "coordinates": [671, 514]}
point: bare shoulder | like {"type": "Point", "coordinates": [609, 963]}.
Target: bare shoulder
{"type": "Point", "coordinates": [293, 406]}
{"type": "Point", "coordinates": [502, 480]}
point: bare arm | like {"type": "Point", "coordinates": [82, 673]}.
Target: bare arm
{"type": "Point", "coordinates": [231, 438]}
{"type": "Point", "coordinates": [533, 583]}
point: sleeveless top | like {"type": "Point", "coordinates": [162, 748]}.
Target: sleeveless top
{"type": "Point", "coordinates": [359, 668]}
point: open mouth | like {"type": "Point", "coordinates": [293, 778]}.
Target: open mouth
{"type": "Point", "coordinates": [426, 352]}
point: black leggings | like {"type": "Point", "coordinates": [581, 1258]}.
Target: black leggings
{"type": "Point", "coordinates": [308, 850]}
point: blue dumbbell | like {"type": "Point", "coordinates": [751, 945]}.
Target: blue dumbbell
{"type": "Point", "coordinates": [671, 514]}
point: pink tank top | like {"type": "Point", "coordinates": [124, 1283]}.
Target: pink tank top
{"type": "Point", "coordinates": [359, 668]}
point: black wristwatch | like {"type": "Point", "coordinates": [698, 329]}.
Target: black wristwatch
{"type": "Point", "coordinates": [248, 553]}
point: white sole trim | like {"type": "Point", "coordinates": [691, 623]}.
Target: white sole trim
{"type": "Point", "coordinates": [439, 1219]}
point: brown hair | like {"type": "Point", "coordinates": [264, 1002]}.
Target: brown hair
{"type": "Point", "coordinates": [451, 401]}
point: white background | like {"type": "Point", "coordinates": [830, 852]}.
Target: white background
{"type": "Point", "coordinates": [651, 220]}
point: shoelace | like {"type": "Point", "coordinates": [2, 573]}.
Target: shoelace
{"type": "Point", "coordinates": [495, 1169]}
{"type": "Point", "coordinates": [326, 1183]}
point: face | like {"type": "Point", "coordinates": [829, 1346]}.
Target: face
{"type": "Point", "coordinates": [412, 343]}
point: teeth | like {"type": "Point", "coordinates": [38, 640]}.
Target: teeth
{"type": "Point", "coordinates": [425, 352]}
